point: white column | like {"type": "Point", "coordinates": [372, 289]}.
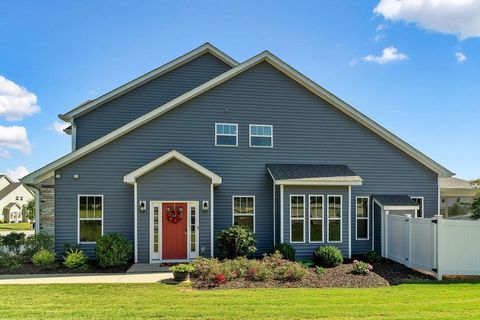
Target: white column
{"type": "Point", "coordinates": [349, 222]}
{"type": "Point", "coordinates": [373, 225]}
{"type": "Point", "coordinates": [274, 229]}
{"type": "Point", "coordinates": [385, 242]}
{"type": "Point", "coordinates": [135, 223]}
{"type": "Point", "coordinates": [281, 213]}
{"type": "Point", "coordinates": [211, 220]}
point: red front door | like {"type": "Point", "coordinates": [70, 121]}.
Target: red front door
{"type": "Point", "coordinates": [174, 230]}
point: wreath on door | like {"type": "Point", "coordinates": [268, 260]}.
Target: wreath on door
{"type": "Point", "coordinates": [174, 215]}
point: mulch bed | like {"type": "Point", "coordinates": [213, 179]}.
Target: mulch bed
{"type": "Point", "coordinates": [30, 268]}
{"type": "Point", "coordinates": [385, 273]}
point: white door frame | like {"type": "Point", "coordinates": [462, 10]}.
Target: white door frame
{"type": "Point", "coordinates": [190, 254]}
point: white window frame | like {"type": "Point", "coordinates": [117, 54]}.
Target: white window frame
{"type": "Point", "coordinates": [269, 136]}
{"type": "Point", "coordinates": [362, 218]}
{"type": "Point", "coordinates": [310, 218]}
{"type": "Point", "coordinates": [226, 134]}
{"type": "Point", "coordinates": [242, 214]}
{"type": "Point", "coordinates": [302, 219]}
{"type": "Point", "coordinates": [96, 219]}
{"type": "Point", "coordinates": [423, 206]}
{"type": "Point", "coordinates": [340, 219]}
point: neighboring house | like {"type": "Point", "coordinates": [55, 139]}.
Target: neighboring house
{"type": "Point", "coordinates": [204, 142]}
{"type": "Point", "coordinates": [13, 197]}
{"type": "Point", "coordinates": [455, 195]}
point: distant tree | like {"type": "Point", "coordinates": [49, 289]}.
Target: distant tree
{"type": "Point", "coordinates": [30, 210]}
{"type": "Point", "coordinates": [475, 203]}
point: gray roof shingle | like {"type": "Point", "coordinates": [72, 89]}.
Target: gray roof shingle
{"type": "Point", "coordinates": [302, 171]}
{"type": "Point", "coordinates": [395, 200]}
{"type": "Point", "coordinates": [8, 189]}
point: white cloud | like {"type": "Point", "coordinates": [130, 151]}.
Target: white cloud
{"type": "Point", "coordinates": [389, 54]}
{"type": "Point", "coordinates": [14, 137]}
{"type": "Point", "coordinates": [353, 62]}
{"type": "Point", "coordinates": [379, 37]}
{"type": "Point", "coordinates": [59, 126]}
{"type": "Point", "coordinates": [458, 17]}
{"type": "Point", "coordinates": [460, 57]}
{"type": "Point", "coordinates": [18, 173]}
{"type": "Point", "coordinates": [16, 102]}
{"type": "Point", "coordinates": [381, 27]}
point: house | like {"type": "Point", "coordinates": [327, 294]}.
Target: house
{"type": "Point", "coordinates": [205, 142]}
{"type": "Point", "coordinates": [455, 195]}
{"type": "Point", "coordinates": [13, 197]}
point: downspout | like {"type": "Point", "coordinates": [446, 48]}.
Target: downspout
{"type": "Point", "coordinates": [274, 230]}
{"type": "Point", "coordinates": [37, 208]}
{"type": "Point", "coordinates": [211, 221]}
{"type": "Point", "coordinates": [74, 135]}
{"type": "Point", "coordinates": [349, 222]}
{"type": "Point", "coordinates": [135, 222]}
{"type": "Point", "coordinates": [281, 213]}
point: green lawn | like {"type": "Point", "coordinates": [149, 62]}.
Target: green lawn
{"type": "Point", "coordinates": [147, 301]}
{"type": "Point", "coordinates": [15, 226]}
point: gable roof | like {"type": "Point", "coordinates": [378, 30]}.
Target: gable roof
{"type": "Point", "coordinates": [89, 105]}
{"type": "Point", "coordinates": [396, 202]}
{"type": "Point", "coordinates": [6, 177]}
{"type": "Point", "coordinates": [12, 204]}
{"type": "Point", "coordinates": [47, 171]}
{"type": "Point", "coordinates": [9, 189]}
{"type": "Point", "coordinates": [132, 176]}
{"type": "Point", "coordinates": [456, 183]}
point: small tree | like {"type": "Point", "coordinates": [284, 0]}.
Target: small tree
{"type": "Point", "coordinates": [30, 210]}
{"type": "Point", "coordinates": [475, 203]}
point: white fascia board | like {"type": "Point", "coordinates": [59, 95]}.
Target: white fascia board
{"type": "Point", "coordinates": [393, 208]}
{"type": "Point", "coordinates": [281, 66]}
{"type": "Point", "coordinates": [90, 105]}
{"type": "Point", "coordinates": [132, 176]}
{"type": "Point", "coordinates": [320, 182]}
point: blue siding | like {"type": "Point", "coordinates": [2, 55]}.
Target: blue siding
{"type": "Point", "coordinates": [173, 181]}
{"type": "Point", "coordinates": [115, 113]}
{"type": "Point", "coordinates": [306, 130]}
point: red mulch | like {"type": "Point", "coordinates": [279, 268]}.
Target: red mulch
{"type": "Point", "coordinates": [384, 273]}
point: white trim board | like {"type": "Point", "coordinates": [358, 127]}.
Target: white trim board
{"type": "Point", "coordinates": [89, 105]}
{"type": "Point", "coordinates": [47, 171]}
{"type": "Point", "coordinates": [132, 176]}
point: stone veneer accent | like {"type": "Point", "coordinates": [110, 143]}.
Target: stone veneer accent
{"type": "Point", "coordinates": [47, 205]}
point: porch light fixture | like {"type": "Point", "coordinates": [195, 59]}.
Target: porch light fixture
{"type": "Point", "coordinates": [205, 205]}
{"type": "Point", "coordinates": [143, 206]}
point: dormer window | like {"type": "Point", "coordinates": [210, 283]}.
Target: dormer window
{"type": "Point", "coordinates": [226, 134]}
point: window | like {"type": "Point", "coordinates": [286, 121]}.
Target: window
{"type": "Point", "coordinates": [261, 136]}
{"type": "Point", "coordinates": [363, 216]}
{"type": "Point", "coordinates": [21, 198]}
{"type": "Point", "coordinates": [244, 212]}
{"type": "Point", "coordinates": [90, 218]}
{"type": "Point", "coordinates": [419, 201]}
{"type": "Point", "coordinates": [16, 198]}
{"type": "Point", "coordinates": [334, 213]}
{"type": "Point", "coordinates": [297, 218]}
{"type": "Point", "coordinates": [226, 134]}
{"type": "Point", "coordinates": [316, 218]}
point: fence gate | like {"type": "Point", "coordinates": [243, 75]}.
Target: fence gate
{"type": "Point", "coordinates": [411, 241]}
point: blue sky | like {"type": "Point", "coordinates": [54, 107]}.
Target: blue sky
{"type": "Point", "coordinates": [413, 69]}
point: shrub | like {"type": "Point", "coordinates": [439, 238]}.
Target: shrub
{"type": "Point", "coordinates": [320, 270]}
{"type": "Point", "coordinates": [182, 267]}
{"type": "Point", "coordinates": [373, 256]}
{"type": "Point", "coordinates": [14, 241]}
{"type": "Point", "coordinates": [236, 241]}
{"type": "Point", "coordinates": [236, 268]}
{"type": "Point", "coordinates": [67, 247]}
{"type": "Point", "coordinates": [307, 263]}
{"type": "Point", "coordinates": [44, 259]}
{"type": "Point", "coordinates": [112, 250]}
{"type": "Point", "coordinates": [286, 250]}
{"type": "Point", "coordinates": [260, 272]}
{"type": "Point", "coordinates": [327, 256]}
{"type": "Point", "coordinates": [75, 259]}
{"type": "Point", "coordinates": [360, 267]}
{"type": "Point", "coordinates": [9, 262]}
{"type": "Point", "coordinates": [205, 269]}
{"type": "Point", "coordinates": [37, 242]}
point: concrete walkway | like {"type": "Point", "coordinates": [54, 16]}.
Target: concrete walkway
{"type": "Point", "coordinates": [164, 277]}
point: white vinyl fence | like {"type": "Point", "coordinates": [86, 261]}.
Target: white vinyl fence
{"type": "Point", "coordinates": [446, 247]}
